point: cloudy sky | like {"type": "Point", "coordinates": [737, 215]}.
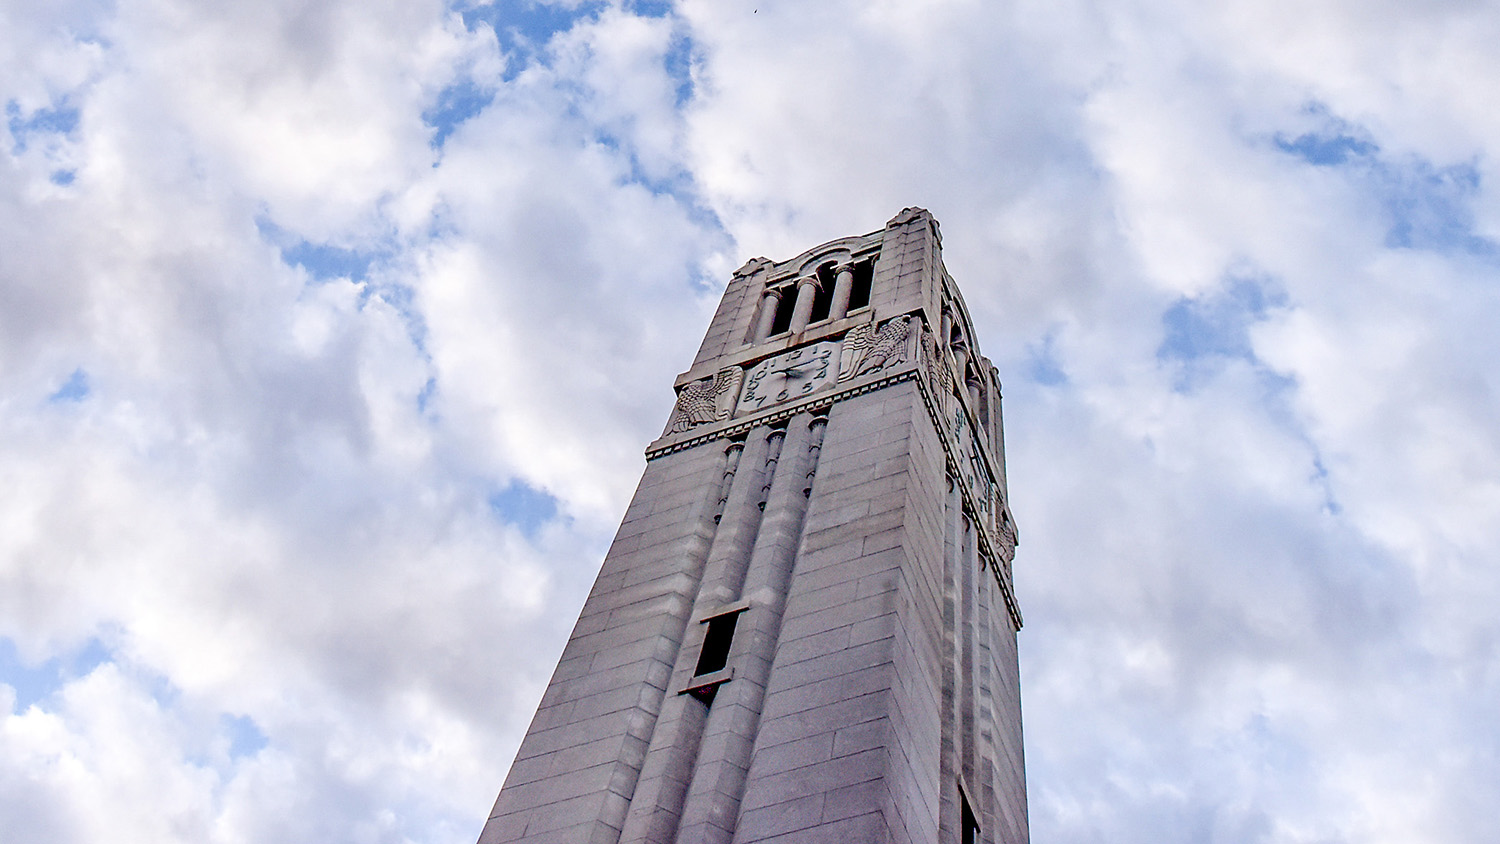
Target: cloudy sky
{"type": "Point", "coordinates": [332, 332]}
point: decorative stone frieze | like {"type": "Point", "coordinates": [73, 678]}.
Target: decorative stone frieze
{"type": "Point", "coordinates": [705, 401]}
{"type": "Point", "coordinates": [867, 350]}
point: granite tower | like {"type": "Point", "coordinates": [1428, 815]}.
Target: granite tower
{"type": "Point", "coordinates": [805, 630]}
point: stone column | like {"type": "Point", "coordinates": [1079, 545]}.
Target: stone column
{"type": "Point", "coordinates": [731, 462]}
{"type": "Point", "coordinates": [767, 316]}
{"type": "Point", "coordinates": [673, 747]}
{"type": "Point", "coordinates": [950, 819]}
{"type": "Point", "coordinates": [965, 692]}
{"type": "Point", "coordinates": [807, 292]}
{"type": "Point", "coordinates": [961, 363]}
{"type": "Point", "coordinates": [730, 553]}
{"type": "Point", "coordinates": [713, 797]}
{"type": "Point", "coordinates": [984, 780]}
{"type": "Point", "coordinates": [843, 288]}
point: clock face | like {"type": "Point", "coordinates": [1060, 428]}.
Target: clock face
{"type": "Point", "coordinates": [972, 467]}
{"type": "Point", "coordinates": [789, 375]}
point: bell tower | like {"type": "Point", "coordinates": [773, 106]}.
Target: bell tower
{"type": "Point", "coordinates": [805, 630]}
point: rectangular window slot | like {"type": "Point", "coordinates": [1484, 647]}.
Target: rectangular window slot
{"type": "Point", "coordinates": [823, 301]}
{"type": "Point", "coordinates": [970, 825]}
{"type": "Point", "coordinates": [784, 306]}
{"type": "Point", "coordinates": [864, 277]}
{"type": "Point", "coordinates": [705, 687]}
{"type": "Point", "coordinates": [715, 653]}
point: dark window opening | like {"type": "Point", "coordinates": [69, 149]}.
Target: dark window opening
{"type": "Point", "coordinates": [864, 277]}
{"type": "Point", "coordinates": [784, 305]}
{"type": "Point", "coordinates": [715, 653]}
{"type": "Point", "coordinates": [823, 302]}
{"type": "Point", "coordinates": [970, 825]}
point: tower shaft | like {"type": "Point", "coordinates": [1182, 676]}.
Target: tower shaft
{"type": "Point", "coordinates": [805, 630]}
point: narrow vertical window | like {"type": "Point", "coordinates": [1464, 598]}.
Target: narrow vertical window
{"type": "Point", "coordinates": [823, 302]}
{"type": "Point", "coordinates": [715, 653]}
{"type": "Point", "coordinates": [784, 306]}
{"type": "Point", "coordinates": [970, 825]}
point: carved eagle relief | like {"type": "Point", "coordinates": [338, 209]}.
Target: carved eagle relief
{"type": "Point", "coordinates": [867, 350]}
{"type": "Point", "coordinates": [706, 400]}
{"type": "Point", "coordinates": [938, 374]}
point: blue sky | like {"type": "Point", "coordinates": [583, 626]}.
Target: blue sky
{"type": "Point", "coordinates": [331, 338]}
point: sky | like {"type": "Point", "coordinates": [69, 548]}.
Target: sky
{"type": "Point", "coordinates": [332, 334]}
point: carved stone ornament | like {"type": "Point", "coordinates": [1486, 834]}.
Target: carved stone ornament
{"type": "Point", "coordinates": [938, 374]}
{"type": "Point", "coordinates": [752, 266]}
{"type": "Point", "coordinates": [868, 350]}
{"type": "Point", "coordinates": [963, 442]}
{"type": "Point", "coordinates": [972, 467]}
{"type": "Point", "coordinates": [982, 484]}
{"type": "Point", "coordinates": [706, 400]}
{"type": "Point", "coordinates": [907, 215]}
{"type": "Point", "coordinates": [1007, 532]}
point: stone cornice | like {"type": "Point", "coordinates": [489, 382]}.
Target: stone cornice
{"type": "Point", "coordinates": [734, 427]}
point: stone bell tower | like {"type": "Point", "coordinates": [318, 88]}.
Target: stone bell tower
{"type": "Point", "coordinates": [805, 630]}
